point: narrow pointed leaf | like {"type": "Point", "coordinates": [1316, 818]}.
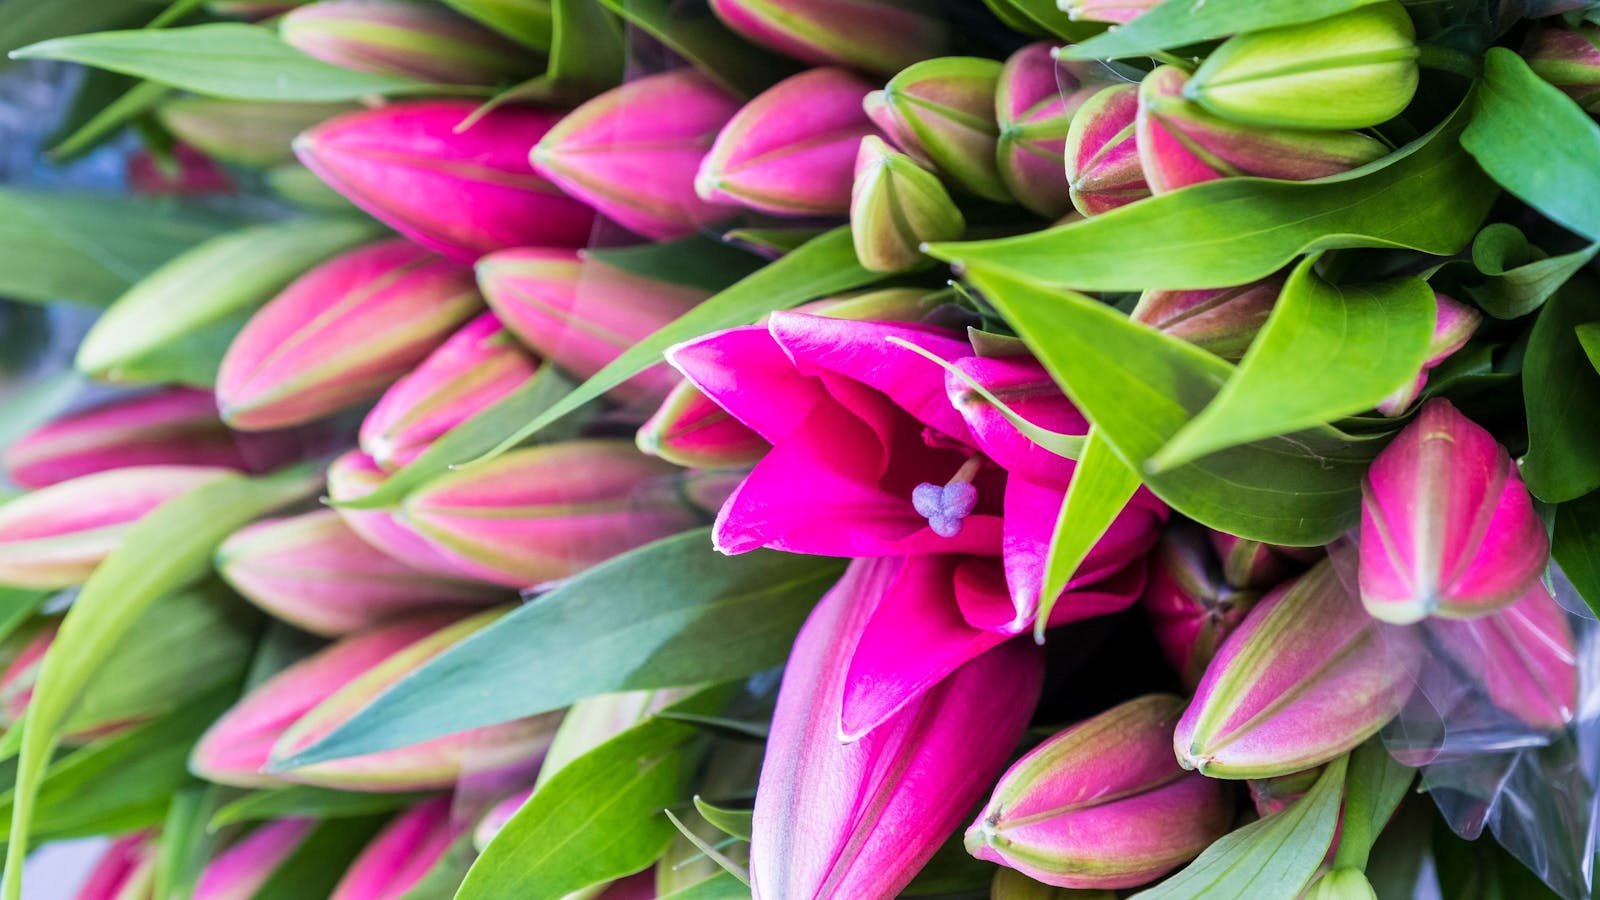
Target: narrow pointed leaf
{"type": "Point", "coordinates": [317, 864]}
{"type": "Point", "coordinates": [1374, 786]}
{"type": "Point", "coordinates": [1575, 545]}
{"type": "Point", "coordinates": [702, 39]}
{"type": "Point", "coordinates": [1101, 486]}
{"type": "Point", "coordinates": [1520, 277]}
{"type": "Point", "coordinates": [304, 801]}
{"type": "Point", "coordinates": [1589, 339]}
{"type": "Point", "coordinates": [1561, 389]}
{"type": "Point", "coordinates": [734, 822]}
{"type": "Point", "coordinates": [1180, 22]}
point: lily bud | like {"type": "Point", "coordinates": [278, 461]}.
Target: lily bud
{"type": "Point", "coordinates": [173, 426]}
{"type": "Point", "coordinates": [1252, 564]}
{"type": "Point", "coordinates": [354, 475]}
{"type": "Point", "coordinates": [1103, 804]}
{"type": "Point", "coordinates": [56, 536]}
{"type": "Point", "coordinates": [1568, 58]}
{"type": "Point", "coordinates": [475, 368]}
{"type": "Point", "coordinates": [423, 41]}
{"type": "Point", "coordinates": [692, 430]}
{"type": "Point", "coordinates": [551, 511]}
{"type": "Point", "coordinates": [1307, 676]}
{"type": "Point", "coordinates": [632, 152]}
{"type": "Point", "coordinates": [238, 872]}
{"type": "Point", "coordinates": [248, 133]}
{"type": "Point", "coordinates": [342, 333]}
{"type": "Point", "coordinates": [461, 194]}
{"type": "Point", "coordinates": [895, 129]}
{"type": "Point", "coordinates": [580, 314]}
{"type": "Point", "coordinates": [895, 207]}
{"type": "Point", "coordinates": [1034, 105]}
{"type": "Point", "coordinates": [880, 36]}
{"type": "Point", "coordinates": [1342, 884]}
{"type": "Point", "coordinates": [317, 574]}
{"type": "Point", "coordinates": [1447, 526]}
{"type": "Point", "coordinates": [1274, 795]}
{"type": "Point", "coordinates": [306, 701]}
{"type": "Point", "coordinates": [838, 820]}
{"type": "Point", "coordinates": [1102, 152]}
{"type": "Point", "coordinates": [791, 150]}
{"type": "Point", "coordinates": [1353, 70]}
{"type": "Point", "coordinates": [125, 871]}
{"type": "Point", "coordinates": [497, 817]}
{"type": "Point", "coordinates": [1222, 320]}
{"type": "Point", "coordinates": [1453, 325]}
{"type": "Point", "coordinates": [1180, 143]}
{"type": "Point", "coordinates": [1525, 655]}
{"type": "Point", "coordinates": [947, 109]}
{"type": "Point", "coordinates": [402, 853]}
{"type": "Point", "coordinates": [1116, 12]}
{"type": "Point", "coordinates": [1190, 605]}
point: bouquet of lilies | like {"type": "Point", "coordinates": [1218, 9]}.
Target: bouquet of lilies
{"type": "Point", "coordinates": [807, 450]}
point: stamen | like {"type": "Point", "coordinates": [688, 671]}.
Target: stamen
{"type": "Point", "coordinates": [946, 506]}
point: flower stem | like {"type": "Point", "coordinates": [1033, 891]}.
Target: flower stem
{"type": "Point", "coordinates": [1449, 59]}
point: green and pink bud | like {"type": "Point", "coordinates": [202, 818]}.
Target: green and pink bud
{"type": "Point", "coordinates": [314, 572]}
{"type": "Point", "coordinates": [56, 536]}
{"type": "Point", "coordinates": [422, 41]}
{"type": "Point", "coordinates": [1453, 325]}
{"type": "Point", "coordinates": [1191, 606]}
{"type": "Point", "coordinates": [248, 133]}
{"type": "Point", "coordinates": [791, 150]}
{"type": "Point", "coordinates": [1306, 677]}
{"type": "Point", "coordinates": [895, 207]}
{"type": "Point", "coordinates": [1034, 105]}
{"type": "Point", "coordinates": [1447, 526]}
{"type": "Point", "coordinates": [462, 194]}
{"type": "Point", "coordinates": [1103, 804]}
{"type": "Point", "coordinates": [1102, 152]}
{"type": "Point", "coordinates": [125, 871]}
{"type": "Point", "coordinates": [690, 429]}
{"type": "Point", "coordinates": [944, 111]}
{"type": "Point", "coordinates": [580, 314]}
{"type": "Point", "coordinates": [545, 513]}
{"type": "Point", "coordinates": [1181, 143]}
{"type": "Point", "coordinates": [498, 815]}
{"type": "Point", "coordinates": [354, 475]}
{"type": "Point", "coordinates": [879, 36]}
{"type": "Point", "coordinates": [632, 153]}
{"type": "Point", "coordinates": [1568, 58]}
{"type": "Point", "coordinates": [1115, 12]}
{"type": "Point", "coordinates": [1248, 564]}
{"type": "Point", "coordinates": [1221, 320]}
{"type": "Point", "coordinates": [246, 866]}
{"type": "Point", "coordinates": [402, 854]}
{"type": "Point", "coordinates": [1525, 656]}
{"type": "Point", "coordinates": [472, 370]}
{"type": "Point", "coordinates": [342, 333]}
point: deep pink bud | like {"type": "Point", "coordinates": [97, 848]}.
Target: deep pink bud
{"type": "Point", "coordinates": [632, 153]}
{"type": "Point", "coordinates": [1568, 58]}
{"type": "Point", "coordinates": [791, 150]}
{"type": "Point", "coordinates": [463, 193]}
{"type": "Point", "coordinates": [1117, 12]}
{"type": "Point", "coordinates": [401, 854]}
{"type": "Point", "coordinates": [314, 572]}
{"type": "Point", "coordinates": [1447, 526]}
{"type": "Point", "coordinates": [1191, 606]}
{"type": "Point", "coordinates": [477, 366]}
{"type": "Point", "coordinates": [837, 821]}
{"type": "Point", "coordinates": [355, 475]}
{"type": "Point", "coordinates": [881, 36]}
{"type": "Point", "coordinates": [1034, 106]}
{"type": "Point", "coordinates": [171, 426]}
{"type": "Point", "coordinates": [581, 314]}
{"type": "Point", "coordinates": [1103, 804]}
{"type": "Point", "coordinates": [125, 871]}
{"type": "Point", "coordinates": [1221, 320]}
{"type": "Point", "coordinates": [1453, 325]}
{"type": "Point", "coordinates": [55, 536]}
{"type": "Point", "coordinates": [1102, 153]}
{"type": "Point", "coordinates": [691, 429]}
{"type": "Point", "coordinates": [1524, 654]}
{"type": "Point", "coordinates": [422, 41]}
{"type": "Point", "coordinates": [498, 815]}
{"type": "Point", "coordinates": [341, 333]}
{"type": "Point", "coordinates": [238, 872]}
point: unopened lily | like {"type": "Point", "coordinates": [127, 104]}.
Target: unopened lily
{"type": "Point", "coordinates": [241, 870]}
{"type": "Point", "coordinates": [1454, 324]}
{"type": "Point", "coordinates": [1102, 152]}
{"type": "Point", "coordinates": [1034, 105]}
{"type": "Point", "coordinates": [354, 475]}
{"type": "Point", "coordinates": [1191, 605]}
{"type": "Point", "coordinates": [400, 855]}
{"type": "Point", "coordinates": [426, 42]}
{"type": "Point", "coordinates": [881, 36]}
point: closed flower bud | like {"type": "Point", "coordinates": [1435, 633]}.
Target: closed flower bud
{"type": "Point", "coordinates": [1116, 12]}
{"type": "Point", "coordinates": [791, 150]}
{"type": "Point", "coordinates": [498, 815]}
{"type": "Point", "coordinates": [125, 871]}
{"type": "Point", "coordinates": [544, 513]}
{"type": "Point", "coordinates": [248, 133]}
{"type": "Point", "coordinates": [1252, 564]}
{"type": "Point", "coordinates": [56, 536]}
{"type": "Point", "coordinates": [463, 193]}
{"type": "Point", "coordinates": [1353, 70]}
{"type": "Point", "coordinates": [1453, 325]}
{"type": "Point", "coordinates": [1447, 526]}
{"type": "Point", "coordinates": [1034, 105]}
{"type": "Point", "coordinates": [1306, 677]}
{"type": "Point", "coordinates": [632, 152]}
{"type": "Point", "coordinates": [881, 36]}
{"type": "Point", "coordinates": [1568, 58]}
{"type": "Point", "coordinates": [475, 368]}
{"type": "Point", "coordinates": [581, 314]}
{"type": "Point", "coordinates": [1221, 320]}
{"type": "Point", "coordinates": [1191, 606]}
{"type": "Point", "coordinates": [1102, 152]}
{"type": "Point", "coordinates": [691, 429]}
{"type": "Point", "coordinates": [245, 867]}
{"type": "Point", "coordinates": [398, 858]}
{"type": "Point", "coordinates": [1341, 884]}
{"type": "Point", "coordinates": [353, 476]}
{"type": "Point", "coordinates": [1525, 656]}
{"type": "Point", "coordinates": [422, 41]}
{"type": "Point", "coordinates": [1103, 804]}
{"type": "Point", "coordinates": [1180, 143]}
{"type": "Point", "coordinates": [895, 129]}
{"type": "Point", "coordinates": [895, 207]}
{"type": "Point", "coordinates": [946, 108]}
{"type": "Point", "coordinates": [314, 572]}
{"type": "Point", "coordinates": [342, 333]}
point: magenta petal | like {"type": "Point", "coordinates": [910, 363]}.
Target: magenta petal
{"type": "Point", "coordinates": [401, 854]}
{"type": "Point", "coordinates": [1023, 385]}
{"type": "Point", "coordinates": [748, 374]}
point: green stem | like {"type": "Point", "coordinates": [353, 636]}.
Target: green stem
{"type": "Point", "coordinates": [1449, 59]}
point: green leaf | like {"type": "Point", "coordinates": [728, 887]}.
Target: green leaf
{"type": "Point", "coordinates": [1043, 17]}
{"type": "Point", "coordinates": [1521, 276]}
{"type": "Point", "coordinates": [1176, 23]}
{"type": "Point", "coordinates": [26, 23]}
{"type": "Point", "coordinates": [530, 22]}
{"type": "Point", "coordinates": [228, 60]}
{"type": "Point", "coordinates": [707, 44]}
{"type": "Point", "coordinates": [586, 57]}
{"type": "Point", "coordinates": [17, 605]}
{"type": "Point", "coordinates": [185, 844]}
{"type": "Point", "coordinates": [1375, 785]}
{"type": "Point", "coordinates": [1561, 391]}
{"type": "Point", "coordinates": [721, 886]}
{"type": "Point", "coordinates": [168, 549]}
{"type": "Point", "coordinates": [1589, 338]}
{"type": "Point", "coordinates": [1271, 857]}
{"type": "Point", "coordinates": [302, 801]}
{"type": "Point", "coordinates": [1517, 110]}
{"type": "Point", "coordinates": [824, 265]}
{"type": "Point", "coordinates": [734, 822]}
{"type": "Point", "coordinates": [707, 850]}
{"type": "Point", "coordinates": [600, 817]}
{"type": "Point", "coordinates": [445, 875]}
{"type": "Point", "coordinates": [1327, 351]}
{"type": "Point", "coordinates": [1140, 387]}
{"type": "Point", "coordinates": [696, 261]}
{"type": "Point", "coordinates": [134, 102]}
{"type": "Point", "coordinates": [1575, 545]}
{"type": "Point", "coordinates": [1428, 196]}
{"type": "Point", "coordinates": [317, 864]}
{"type": "Point", "coordinates": [1101, 487]}
{"type": "Point", "coordinates": [670, 613]}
